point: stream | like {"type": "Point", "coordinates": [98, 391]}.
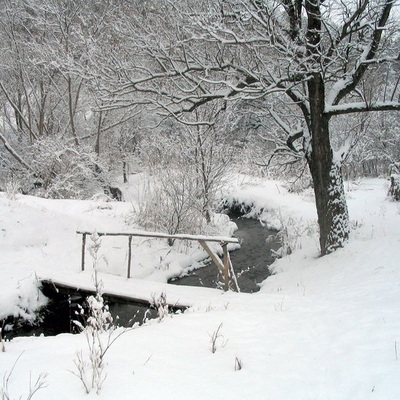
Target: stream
{"type": "Point", "coordinates": [250, 262]}
{"type": "Point", "coordinates": [63, 309]}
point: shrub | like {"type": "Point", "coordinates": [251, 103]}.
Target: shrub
{"type": "Point", "coordinates": [394, 190]}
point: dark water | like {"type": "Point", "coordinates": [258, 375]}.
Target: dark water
{"type": "Point", "coordinates": [63, 309]}
{"type": "Point", "coordinates": [250, 262]}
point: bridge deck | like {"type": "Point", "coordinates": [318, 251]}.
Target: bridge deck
{"type": "Point", "coordinates": [134, 290]}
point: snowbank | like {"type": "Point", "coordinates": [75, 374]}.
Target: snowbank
{"type": "Point", "coordinates": [321, 328]}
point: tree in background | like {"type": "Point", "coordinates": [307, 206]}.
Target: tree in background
{"type": "Point", "coordinates": [53, 124]}
{"type": "Point", "coordinates": [187, 163]}
{"type": "Point", "coordinates": [317, 55]}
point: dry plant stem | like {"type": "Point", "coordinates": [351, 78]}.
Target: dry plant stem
{"type": "Point", "coordinates": [238, 364]}
{"type": "Point", "coordinates": [161, 305]}
{"type": "Point", "coordinates": [33, 389]}
{"type": "Point", "coordinates": [214, 339]}
{"type": "Point", "coordinates": [39, 384]}
{"type": "Point", "coordinates": [99, 331]}
{"type": "Point", "coordinates": [81, 367]}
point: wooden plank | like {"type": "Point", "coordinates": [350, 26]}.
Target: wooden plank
{"type": "Point", "coordinates": [213, 256]}
{"type": "Point", "coordinates": [85, 291]}
{"type": "Point", "coordinates": [157, 235]}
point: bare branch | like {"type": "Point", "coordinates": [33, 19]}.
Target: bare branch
{"type": "Point", "coordinates": [350, 108]}
{"type": "Point", "coordinates": [11, 150]}
{"type": "Point", "coordinates": [349, 82]}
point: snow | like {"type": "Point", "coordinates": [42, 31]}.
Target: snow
{"type": "Point", "coordinates": [320, 328]}
{"type": "Point", "coordinates": [352, 107]}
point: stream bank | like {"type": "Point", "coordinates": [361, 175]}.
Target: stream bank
{"type": "Point", "coordinates": [250, 264]}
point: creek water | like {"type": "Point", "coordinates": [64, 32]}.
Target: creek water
{"type": "Point", "coordinates": [250, 262]}
{"type": "Point", "coordinates": [63, 309]}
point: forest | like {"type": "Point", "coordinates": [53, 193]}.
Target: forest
{"type": "Point", "coordinates": [92, 92]}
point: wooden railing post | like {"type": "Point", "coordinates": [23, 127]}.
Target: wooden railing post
{"type": "Point", "coordinates": [129, 256]}
{"type": "Point", "coordinates": [226, 266]}
{"type": "Point", "coordinates": [83, 251]}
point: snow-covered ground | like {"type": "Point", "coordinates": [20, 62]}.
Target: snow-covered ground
{"type": "Point", "coordinates": [320, 328]}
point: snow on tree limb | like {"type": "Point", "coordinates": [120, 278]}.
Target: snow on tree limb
{"type": "Point", "coordinates": [10, 149]}
{"type": "Point", "coordinates": [345, 86]}
{"type": "Point", "coordinates": [349, 108]}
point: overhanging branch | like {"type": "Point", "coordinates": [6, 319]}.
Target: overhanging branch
{"type": "Point", "coordinates": [348, 84]}
{"type": "Point", "coordinates": [351, 108]}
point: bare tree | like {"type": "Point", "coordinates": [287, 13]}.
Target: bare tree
{"type": "Point", "coordinates": [188, 164]}
{"type": "Point", "coordinates": [316, 54]}
{"type": "Point", "coordinates": [47, 96]}
{"type": "Point", "coordinates": [207, 153]}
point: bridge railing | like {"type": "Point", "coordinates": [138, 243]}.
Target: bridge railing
{"type": "Point", "coordinates": [224, 266]}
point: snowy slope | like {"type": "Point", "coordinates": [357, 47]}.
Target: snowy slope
{"type": "Point", "coordinates": [320, 328]}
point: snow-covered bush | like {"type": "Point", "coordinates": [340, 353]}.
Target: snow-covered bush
{"type": "Point", "coordinates": [99, 333]}
{"type": "Point", "coordinates": [170, 204]}
{"type": "Point", "coordinates": [394, 190]}
{"type": "Point", "coordinates": [291, 233]}
{"type": "Point", "coordinates": [61, 170]}
{"type": "Point", "coordinates": [375, 144]}
{"type": "Point", "coordinates": [160, 304]}
{"type": "Point", "coordinates": [12, 188]}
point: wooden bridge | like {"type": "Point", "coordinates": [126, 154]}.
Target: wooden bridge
{"type": "Point", "coordinates": [224, 266]}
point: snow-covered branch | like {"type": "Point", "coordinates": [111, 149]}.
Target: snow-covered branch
{"type": "Point", "coordinates": [350, 108]}
{"type": "Point", "coordinates": [11, 150]}
{"type": "Point", "coordinates": [351, 79]}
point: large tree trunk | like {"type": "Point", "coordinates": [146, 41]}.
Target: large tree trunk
{"type": "Point", "coordinates": [333, 217]}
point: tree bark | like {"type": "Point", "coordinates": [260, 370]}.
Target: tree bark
{"type": "Point", "coordinates": [333, 217]}
{"type": "Point", "coordinates": [72, 110]}
{"type": "Point", "coordinates": [125, 171]}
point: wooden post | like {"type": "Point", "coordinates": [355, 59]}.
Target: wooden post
{"type": "Point", "coordinates": [232, 273]}
{"type": "Point", "coordinates": [213, 256]}
{"type": "Point", "coordinates": [217, 262]}
{"type": "Point", "coordinates": [83, 251]}
{"type": "Point", "coordinates": [129, 255]}
{"type": "Point", "coordinates": [226, 266]}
